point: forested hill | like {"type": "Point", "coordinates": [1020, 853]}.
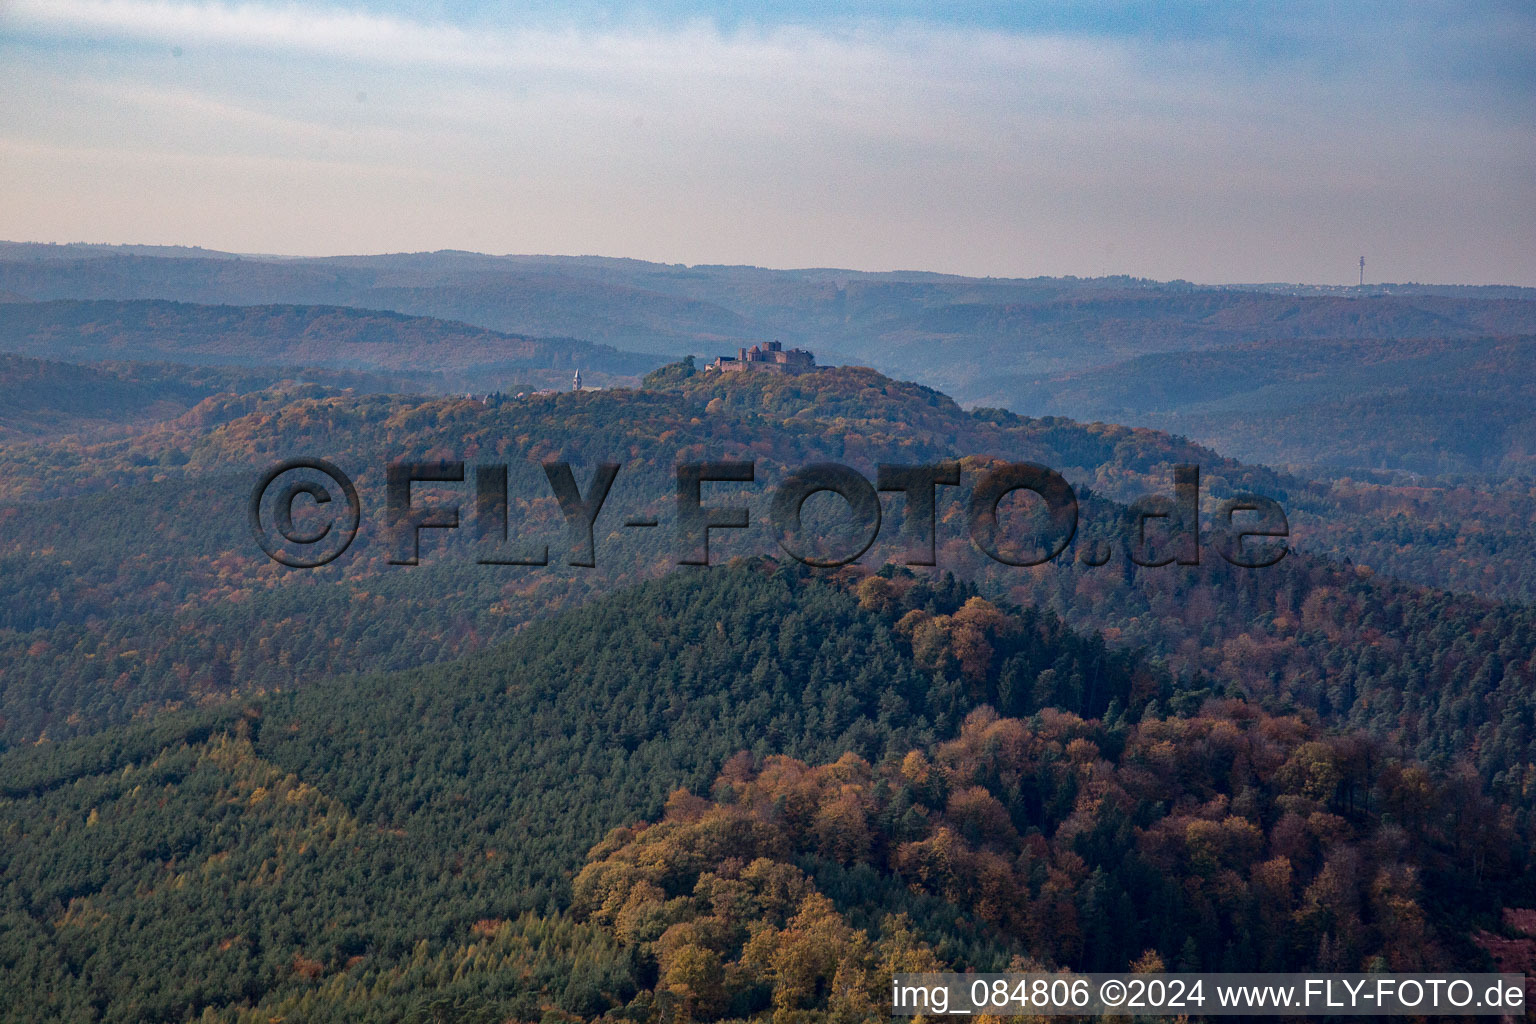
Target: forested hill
{"type": "Point", "coordinates": [334, 336]}
{"type": "Point", "coordinates": [46, 399]}
{"type": "Point", "coordinates": [39, 398]}
{"type": "Point", "coordinates": [149, 868]}
{"type": "Point", "coordinates": [236, 791]}
{"type": "Point", "coordinates": [998, 342]}
{"type": "Point", "coordinates": [153, 594]}
{"type": "Point", "coordinates": [401, 847]}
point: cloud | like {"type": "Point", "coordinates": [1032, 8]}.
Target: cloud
{"type": "Point", "coordinates": [693, 49]}
{"type": "Point", "coordinates": [904, 83]}
{"type": "Point", "coordinates": [864, 142]}
{"type": "Point", "coordinates": [336, 33]}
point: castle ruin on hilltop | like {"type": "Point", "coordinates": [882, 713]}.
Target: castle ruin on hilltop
{"type": "Point", "coordinates": [772, 358]}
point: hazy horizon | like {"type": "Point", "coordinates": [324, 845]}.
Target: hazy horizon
{"type": "Point", "coordinates": [1167, 141]}
{"type": "Point", "coordinates": [893, 270]}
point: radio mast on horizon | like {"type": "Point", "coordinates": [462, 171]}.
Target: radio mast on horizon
{"type": "Point", "coordinates": [1362, 271]}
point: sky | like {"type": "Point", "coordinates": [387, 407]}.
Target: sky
{"type": "Point", "coordinates": [1208, 141]}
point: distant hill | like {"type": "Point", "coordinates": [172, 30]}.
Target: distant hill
{"type": "Point", "coordinates": [949, 331]}
{"type": "Point", "coordinates": [966, 348]}
{"type": "Point", "coordinates": [42, 398]}
{"type": "Point", "coordinates": [498, 295]}
{"type": "Point", "coordinates": [986, 341]}
{"type": "Point", "coordinates": [1469, 291]}
{"type": "Point", "coordinates": [79, 250]}
{"type": "Point", "coordinates": [1443, 405]}
{"type": "Point", "coordinates": [326, 336]}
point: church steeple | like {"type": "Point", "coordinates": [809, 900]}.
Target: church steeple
{"type": "Point", "coordinates": [576, 381]}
